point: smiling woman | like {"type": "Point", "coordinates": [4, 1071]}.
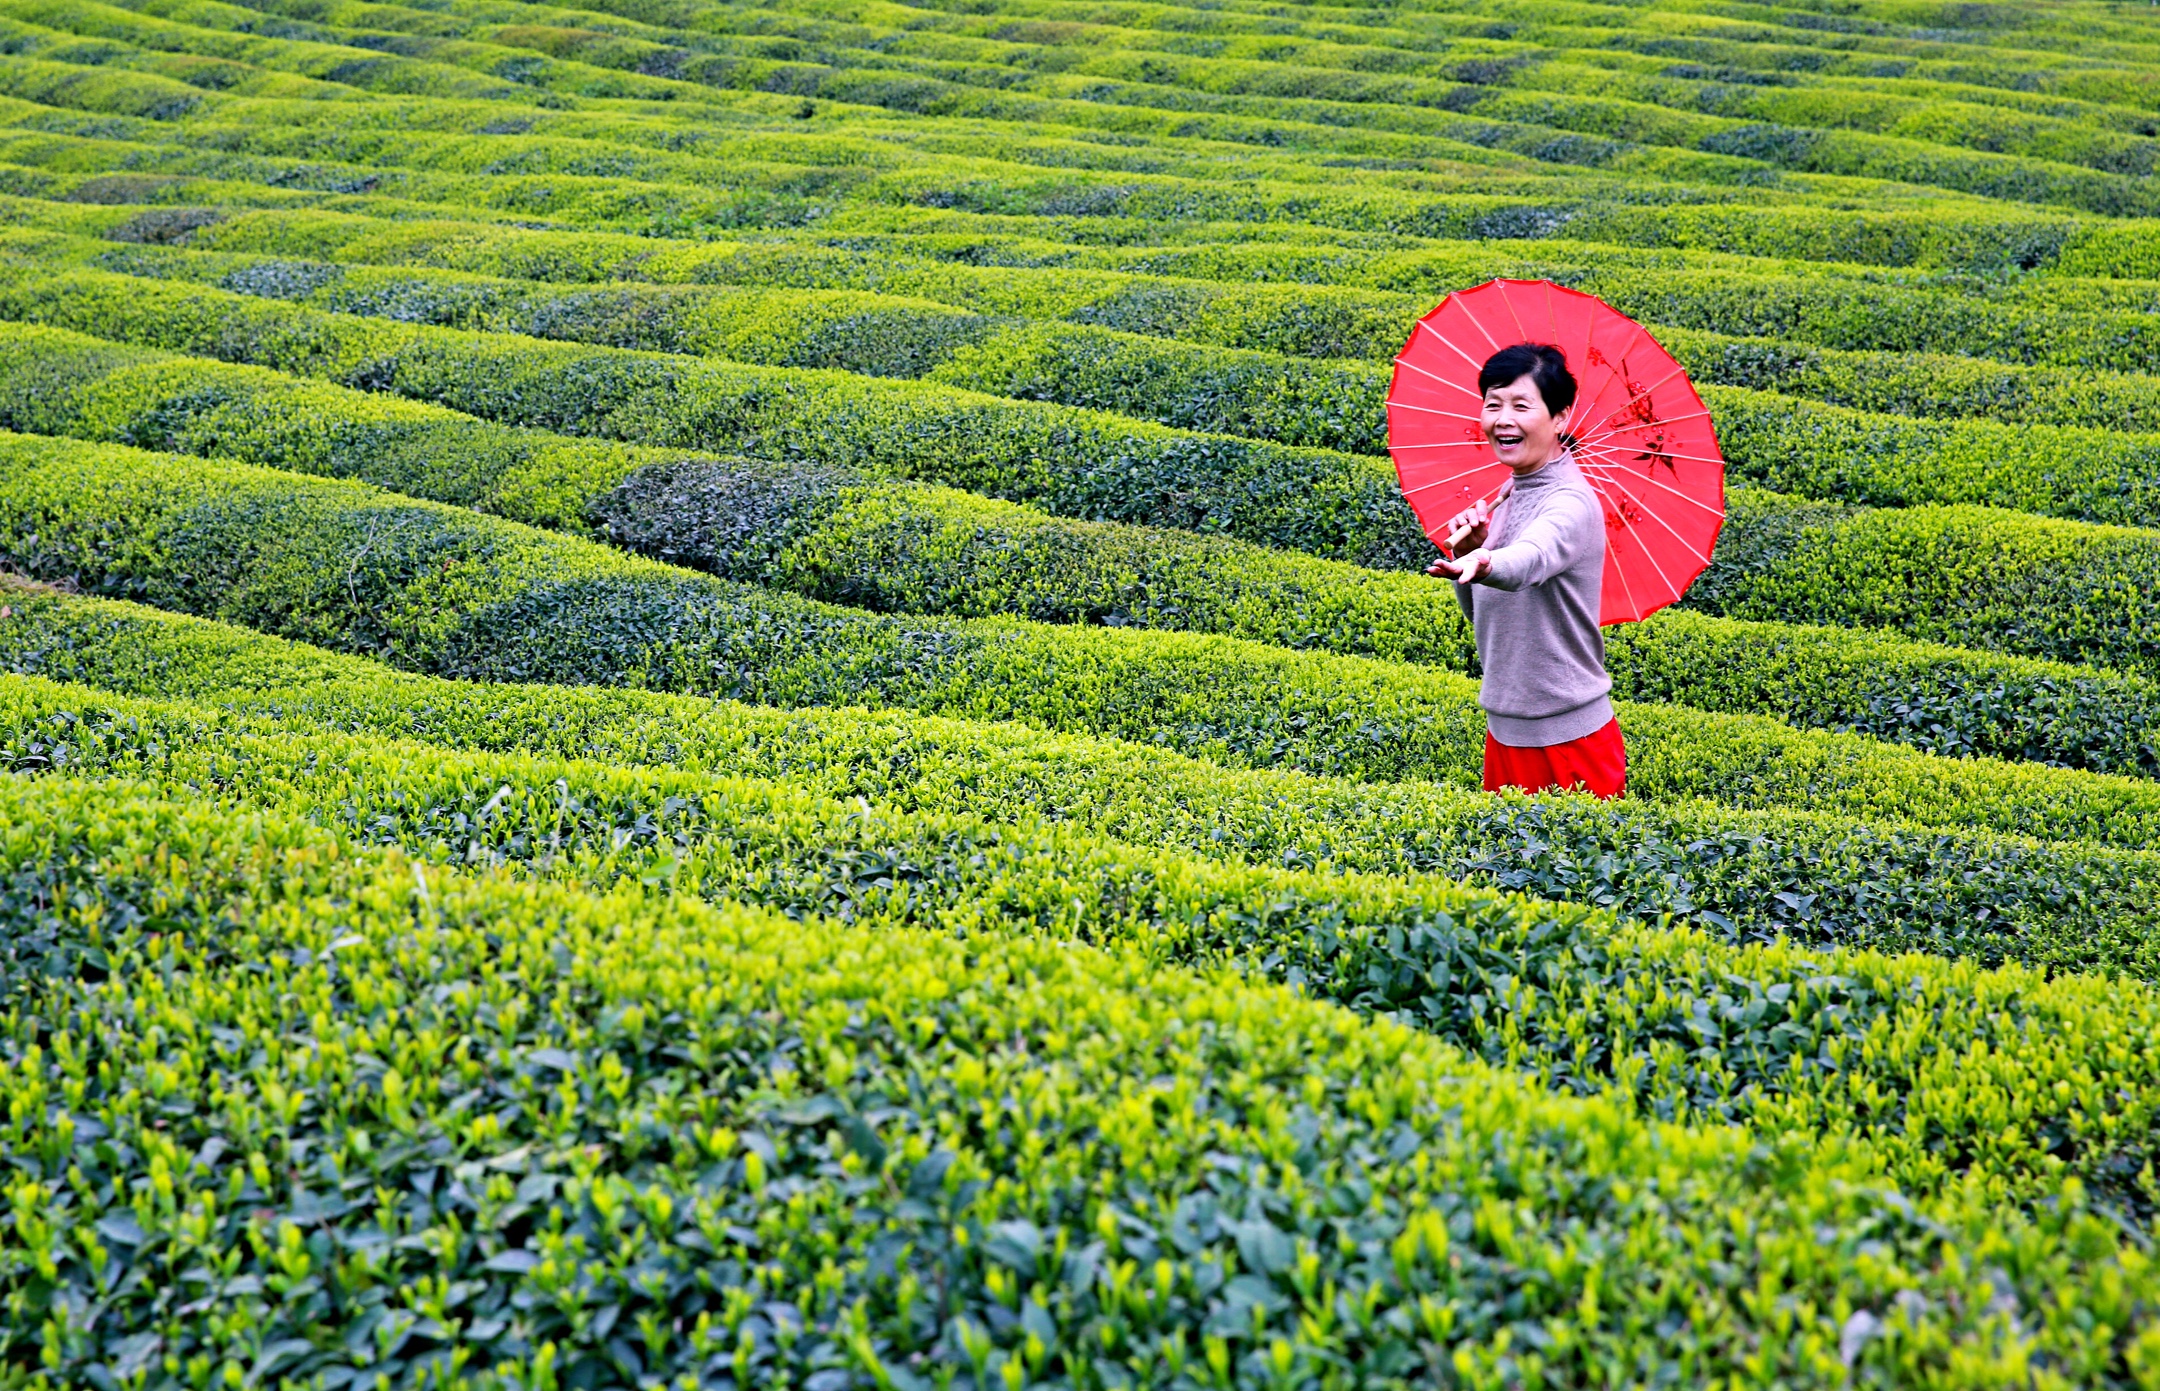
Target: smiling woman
{"type": "Point", "coordinates": [1530, 584]}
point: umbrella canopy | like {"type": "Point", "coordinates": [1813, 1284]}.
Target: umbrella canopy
{"type": "Point", "coordinates": [1639, 431]}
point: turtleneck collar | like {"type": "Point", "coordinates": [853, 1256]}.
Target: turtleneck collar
{"type": "Point", "coordinates": [1553, 470]}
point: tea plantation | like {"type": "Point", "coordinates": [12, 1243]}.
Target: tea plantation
{"type": "Point", "coordinates": [736, 695]}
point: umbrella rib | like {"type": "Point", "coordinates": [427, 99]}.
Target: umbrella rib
{"type": "Point", "coordinates": [1490, 341]}
{"type": "Point", "coordinates": [1621, 488]}
{"type": "Point", "coordinates": [1606, 423]}
{"type": "Point", "coordinates": [1648, 555]}
{"type": "Point", "coordinates": [1663, 453]}
{"type": "Point", "coordinates": [1444, 381]}
{"type": "Point", "coordinates": [1604, 471]}
{"type": "Point", "coordinates": [1431, 410]}
{"type": "Point", "coordinates": [1509, 303]}
{"type": "Point", "coordinates": [1441, 444]}
{"type": "Point", "coordinates": [1634, 606]}
{"type": "Point", "coordinates": [1426, 324]}
{"type": "Point", "coordinates": [1604, 466]}
{"type": "Point", "coordinates": [1443, 482]}
{"type": "Point", "coordinates": [1677, 371]}
{"type": "Point", "coordinates": [1589, 331]}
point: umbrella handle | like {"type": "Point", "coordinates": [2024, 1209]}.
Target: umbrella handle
{"type": "Point", "coordinates": [1449, 546]}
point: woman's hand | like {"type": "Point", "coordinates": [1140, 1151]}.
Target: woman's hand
{"type": "Point", "coordinates": [1464, 569]}
{"type": "Point", "coordinates": [1467, 528]}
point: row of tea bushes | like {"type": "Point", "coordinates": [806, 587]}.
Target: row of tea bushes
{"type": "Point", "coordinates": [836, 537]}
{"type": "Point", "coordinates": [1362, 64]}
{"type": "Point", "coordinates": [1536, 124]}
{"type": "Point", "coordinates": [1604, 132]}
{"type": "Point", "coordinates": [833, 536]}
{"type": "Point", "coordinates": [1378, 73]}
{"type": "Point", "coordinates": [1522, 984]}
{"type": "Point", "coordinates": [1973, 576]}
{"type": "Point", "coordinates": [1071, 462]}
{"type": "Point", "coordinates": [1977, 236]}
{"type": "Point", "coordinates": [1344, 304]}
{"type": "Point", "coordinates": [1227, 391]}
{"type": "Point", "coordinates": [885, 74]}
{"type": "Point", "coordinates": [1953, 890]}
{"type": "Point", "coordinates": [1751, 874]}
{"type": "Point", "coordinates": [674, 195]}
{"type": "Point", "coordinates": [1964, 234]}
{"type": "Point", "coordinates": [456, 593]}
{"type": "Point", "coordinates": [911, 547]}
{"type": "Point", "coordinates": [2040, 587]}
{"type": "Point", "coordinates": [1774, 441]}
{"type": "Point", "coordinates": [613, 1136]}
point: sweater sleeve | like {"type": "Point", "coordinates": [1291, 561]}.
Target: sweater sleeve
{"type": "Point", "coordinates": [1548, 545]}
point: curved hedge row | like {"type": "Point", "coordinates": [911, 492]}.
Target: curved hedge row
{"type": "Point", "coordinates": [769, 191]}
{"type": "Point", "coordinates": [1078, 463]}
{"type": "Point", "coordinates": [1967, 575]}
{"type": "Point", "coordinates": [892, 67]}
{"type": "Point", "coordinates": [455, 593]}
{"type": "Point", "coordinates": [1433, 955]}
{"type": "Point", "coordinates": [1584, 129]}
{"type": "Point", "coordinates": [1753, 874]}
{"type": "Point", "coordinates": [1994, 582]}
{"type": "Point", "coordinates": [1229, 295]}
{"type": "Point", "coordinates": [576, 1111]}
{"type": "Point", "coordinates": [1293, 400]}
{"type": "Point", "coordinates": [910, 547]}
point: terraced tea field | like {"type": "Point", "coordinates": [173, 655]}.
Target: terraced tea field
{"type": "Point", "coordinates": [737, 696]}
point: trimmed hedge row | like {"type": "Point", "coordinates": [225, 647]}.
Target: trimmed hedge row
{"type": "Point", "coordinates": [833, 536]}
{"type": "Point", "coordinates": [1988, 239]}
{"type": "Point", "coordinates": [1226, 391]}
{"type": "Point", "coordinates": [519, 1131]}
{"type": "Point", "coordinates": [455, 593]}
{"type": "Point", "coordinates": [1973, 236]}
{"type": "Point", "coordinates": [1461, 120]}
{"type": "Point", "coordinates": [1207, 293]}
{"type": "Point", "coordinates": [1755, 875]}
{"type": "Point", "coordinates": [2033, 586]}
{"type": "Point", "coordinates": [1077, 463]}
{"type": "Point", "coordinates": [1542, 123]}
{"type": "Point", "coordinates": [1438, 956]}
{"type": "Point", "coordinates": [53, 381]}
{"type": "Point", "coordinates": [726, 51]}
{"type": "Point", "coordinates": [1368, 63]}
{"type": "Point", "coordinates": [840, 538]}
{"type": "Point", "coordinates": [992, 444]}
{"type": "Point", "coordinates": [771, 190]}
{"type": "Point", "coordinates": [1538, 124]}
{"type": "Point", "coordinates": [1967, 575]}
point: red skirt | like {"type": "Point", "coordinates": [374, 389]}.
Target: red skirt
{"type": "Point", "coordinates": [1596, 762]}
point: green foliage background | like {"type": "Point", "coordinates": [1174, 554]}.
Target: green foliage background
{"type": "Point", "coordinates": [735, 695]}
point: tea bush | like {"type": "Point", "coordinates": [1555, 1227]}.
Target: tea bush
{"type": "Point", "coordinates": [453, 593]}
{"type": "Point", "coordinates": [1432, 955]}
{"type": "Point", "coordinates": [1820, 879]}
{"type": "Point", "coordinates": [880, 804]}
{"type": "Point", "coordinates": [529, 1125]}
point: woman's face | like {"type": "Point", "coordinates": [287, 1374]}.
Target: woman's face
{"type": "Point", "coordinates": [1523, 434]}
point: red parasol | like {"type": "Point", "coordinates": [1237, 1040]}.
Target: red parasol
{"type": "Point", "coordinates": [1643, 437]}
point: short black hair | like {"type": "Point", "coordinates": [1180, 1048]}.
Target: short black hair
{"type": "Point", "coordinates": [1540, 362]}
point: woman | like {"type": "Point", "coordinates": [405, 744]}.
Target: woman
{"type": "Point", "coordinates": [1528, 571]}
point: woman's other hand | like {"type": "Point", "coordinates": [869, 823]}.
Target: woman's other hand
{"type": "Point", "coordinates": [1464, 569]}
